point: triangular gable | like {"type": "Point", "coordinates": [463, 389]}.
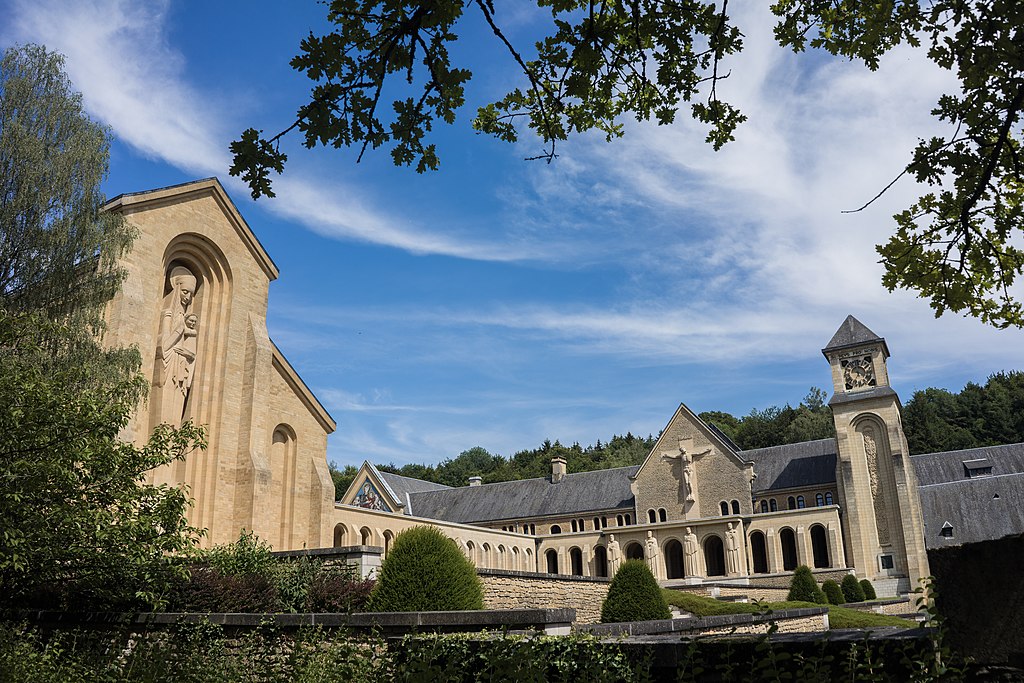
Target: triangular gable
{"type": "Point", "coordinates": [712, 435]}
{"type": "Point", "coordinates": [369, 490]}
{"type": "Point", "coordinates": [136, 201]}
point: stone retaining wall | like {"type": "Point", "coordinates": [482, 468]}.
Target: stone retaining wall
{"type": "Point", "coordinates": [805, 620]}
{"type": "Point", "coordinates": [783, 580]}
{"type": "Point", "coordinates": [517, 590]}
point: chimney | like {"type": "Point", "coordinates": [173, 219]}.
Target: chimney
{"type": "Point", "coordinates": [557, 469]}
{"type": "Point", "coordinates": [476, 481]}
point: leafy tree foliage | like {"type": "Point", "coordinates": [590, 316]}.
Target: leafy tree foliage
{"type": "Point", "coordinates": [57, 251]}
{"type": "Point", "coordinates": [77, 520]}
{"type": "Point", "coordinates": [342, 478]}
{"type": "Point", "coordinates": [425, 570]}
{"type": "Point", "coordinates": [937, 420]}
{"type": "Point", "coordinates": [775, 426]}
{"type": "Point", "coordinates": [602, 60]}
{"type": "Point", "coordinates": [634, 595]}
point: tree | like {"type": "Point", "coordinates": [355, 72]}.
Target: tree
{"type": "Point", "coordinates": [58, 252]}
{"type": "Point", "coordinates": [77, 520]}
{"type": "Point", "coordinates": [603, 60]}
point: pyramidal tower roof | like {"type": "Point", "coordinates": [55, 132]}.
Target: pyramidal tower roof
{"type": "Point", "coordinates": [853, 333]}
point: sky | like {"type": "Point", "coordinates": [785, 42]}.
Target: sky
{"type": "Point", "coordinates": [499, 302]}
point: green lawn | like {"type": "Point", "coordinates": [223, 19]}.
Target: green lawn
{"type": "Point", "coordinates": [838, 617]}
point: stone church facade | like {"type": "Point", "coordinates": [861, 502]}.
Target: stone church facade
{"type": "Point", "coordinates": [698, 509]}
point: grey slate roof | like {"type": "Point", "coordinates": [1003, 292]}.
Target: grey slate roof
{"type": "Point", "coordinates": [793, 465]}
{"type": "Point", "coordinates": [979, 508]}
{"type": "Point", "coordinates": [860, 395]}
{"type": "Point", "coordinates": [579, 493]}
{"type": "Point", "coordinates": [407, 485]}
{"type": "Point", "coordinates": [853, 333]}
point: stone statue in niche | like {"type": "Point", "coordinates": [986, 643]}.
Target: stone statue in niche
{"type": "Point", "coordinates": [651, 553]}
{"type": "Point", "coordinates": [732, 554]}
{"type": "Point", "coordinates": [177, 346]}
{"type": "Point", "coordinates": [614, 555]}
{"type": "Point", "coordinates": [690, 553]}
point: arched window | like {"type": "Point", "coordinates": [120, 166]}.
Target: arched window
{"type": "Point", "coordinates": [714, 556]}
{"type": "Point", "coordinates": [583, 525]}
{"type": "Point", "coordinates": [600, 561]}
{"type": "Point", "coordinates": [772, 505]}
{"type": "Point", "coordinates": [574, 529]}
{"type": "Point", "coordinates": [819, 500]}
{"type": "Point", "coordinates": [800, 503]}
{"type": "Point", "coordinates": [629, 520]}
{"type": "Point", "coordinates": [788, 541]}
{"type": "Point", "coordinates": [819, 547]}
{"type": "Point", "coordinates": [662, 515]}
{"type": "Point", "coordinates": [764, 506]}
{"type": "Point", "coordinates": [366, 536]}
{"type": "Point", "coordinates": [555, 529]}
{"type": "Point", "coordinates": [724, 507]}
{"type": "Point", "coordinates": [485, 556]}
{"type": "Point", "coordinates": [339, 535]}
{"type": "Point", "coordinates": [791, 503]}
{"type": "Point", "coordinates": [552, 557]}
{"type": "Point", "coordinates": [759, 552]}
{"type": "Point", "coordinates": [634, 551]}
{"type": "Point", "coordinates": [674, 560]}
{"type": "Point", "coordinates": [388, 538]}
{"type": "Point", "coordinates": [471, 551]}
{"type": "Point", "coordinates": [597, 523]}
{"type": "Point", "coordinates": [576, 561]}
{"type": "Point", "coordinates": [650, 516]}
{"type": "Point", "coordinates": [618, 520]}
{"type": "Point", "coordinates": [828, 498]}
{"type": "Point", "coordinates": [604, 522]}
{"type": "Point", "coordinates": [735, 507]}
{"type": "Point", "coordinates": [533, 529]}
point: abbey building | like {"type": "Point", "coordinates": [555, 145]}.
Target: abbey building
{"type": "Point", "coordinates": [698, 509]}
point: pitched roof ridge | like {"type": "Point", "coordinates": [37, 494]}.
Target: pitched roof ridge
{"type": "Point", "coordinates": [851, 332]}
{"type": "Point", "coordinates": [968, 450]}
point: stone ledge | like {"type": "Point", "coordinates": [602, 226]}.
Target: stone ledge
{"type": "Point", "coordinates": [539, 575]}
{"type": "Point", "coordinates": [636, 628]}
{"type": "Point", "coordinates": [330, 552]}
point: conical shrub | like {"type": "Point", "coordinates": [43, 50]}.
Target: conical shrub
{"type": "Point", "coordinates": [425, 571]}
{"type": "Point", "coordinates": [634, 595]}
{"type": "Point", "coordinates": [803, 587]}
{"type": "Point", "coordinates": [869, 589]}
{"type": "Point", "coordinates": [833, 593]}
{"type": "Point", "coordinates": [851, 589]}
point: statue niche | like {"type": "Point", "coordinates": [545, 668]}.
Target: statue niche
{"type": "Point", "coordinates": [177, 347]}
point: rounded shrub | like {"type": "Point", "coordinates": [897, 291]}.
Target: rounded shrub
{"type": "Point", "coordinates": [425, 571]}
{"type": "Point", "coordinates": [869, 589]}
{"type": "Point", "coordinates": [634, 595]}
{"type": "Point", "coordinates": [803, 587]}
{"type": "Point", "coordinates": [833, 593]}
{"type": "Point", "coordinates": [851, 589]}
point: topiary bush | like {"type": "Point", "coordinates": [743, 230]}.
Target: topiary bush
{"type": "Point", "coordinates": [851, 589]}
{"type": "Point", "coordinates": [869, 589]}
{"type": "Point", "coordinates": [634, 595]}
{"type": "Point", "coordinates": [833, 593]}
{"type": "Point", "coordinates": [803, 587]}
{"type": "Point", "coordinates": [425, 571]}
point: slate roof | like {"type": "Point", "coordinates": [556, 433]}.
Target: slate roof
{"type": "Point", "coordinates": [583, 492]}
{"type": "Point", "coordinates": [860, 395]}
{"type": "Point", "coordinates": [407, 485]}
{"type": "Point", "coordinates": [979, 508]}
{"type": "Point", "coordinates": [853, 333]}
{"type": "Point", "coordinates": [793, 465]}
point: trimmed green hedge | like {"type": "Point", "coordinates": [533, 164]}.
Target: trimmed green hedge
{"type": "Point", "coordinates": [869, 589]}
{"type": "Point", "coordinates": [803, 587]}
{"type": "Point", "coordinates": [634, 595]}
{"type": "Point", "coordinates": [425, 571]}
{"type": "Point", "coordinates": [851, 589]}
{"type": "Point", "coordinates": [833, 592]}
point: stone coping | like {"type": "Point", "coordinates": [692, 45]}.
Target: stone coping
{"type": "Point", "coordinates": [470, 620]}
{"type": "Point", "coordinates": [541, 575]}
{"type": "Point", "coordinates": [330, 552]}
{"type": "Point", "coordinates": [688, 624]}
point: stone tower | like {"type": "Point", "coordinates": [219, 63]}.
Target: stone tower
{"type": "Point", "coordinates": [874, 475]}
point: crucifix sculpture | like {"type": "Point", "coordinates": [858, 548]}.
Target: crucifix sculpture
{"type": "Point", "coordinates": [687, 457]}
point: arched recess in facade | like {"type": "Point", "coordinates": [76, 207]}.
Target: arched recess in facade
{"type": "Point", "coordinates": [211, 304]}
{"type": "Point", "coordinates": [873, 442]}
{"type": "Point", "coordinates": [634, 551]}
{"type": "Point", "coordinates": [758, 553]}
{"type": "Point", "coordinates": [283, 450]}
{"type": "Point", "coordinates": [575, 561]}
{"type": "Point", "coordinates": [819, 547]}
{"type": "Point", "coordinates": [787, 539]}
{"type": "Point", "coordinates": [674, 560]}
{"type": "Point", "coordinates": [714, 555]}
{"type": "Point", "coordinates": [340, 534]}
{"type": "Point", "coordinates": [552, 560]}
{"type": "Point", "coordinates": [600, 561]}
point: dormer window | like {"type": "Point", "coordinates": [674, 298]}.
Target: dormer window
{"type": "Point", "coordinates": [946, 531]}
{"type": "Point", "coordinates": [980, 467]}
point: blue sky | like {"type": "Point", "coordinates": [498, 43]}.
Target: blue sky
{"type": "Point", "coordinates": [499, 302]}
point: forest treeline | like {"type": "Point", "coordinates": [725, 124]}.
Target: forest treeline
{"type": "Point", "coordinates": [933, 419]}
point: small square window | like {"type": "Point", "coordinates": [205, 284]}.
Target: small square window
{"type": "Point", "coordinates": [886, 561]}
